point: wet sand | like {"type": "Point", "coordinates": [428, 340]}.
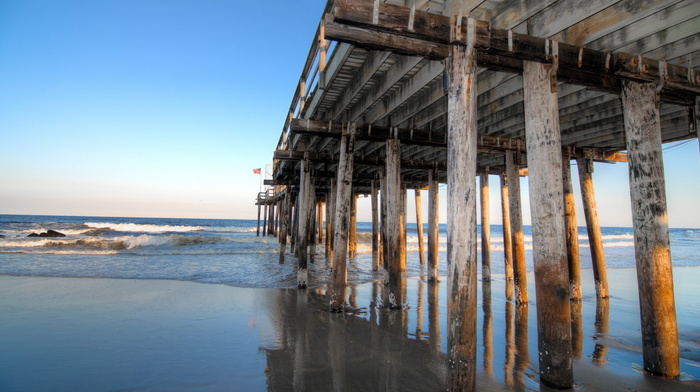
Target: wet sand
{"type": "Point", "coordinates": [119, 334]}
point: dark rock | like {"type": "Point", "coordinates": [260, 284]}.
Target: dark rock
{"type": "Point", "coordinates": [50, 234]}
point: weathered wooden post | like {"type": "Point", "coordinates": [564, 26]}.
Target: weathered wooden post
{"type": "Point", "coordinates": [294, 225]}
{"type": "Point", "coordinates": [548, 225]}
{"type": "Point", "coordinates": [375, 225]}
{"type": "Point", "coordinates": [507, 242]}
{"type": "Point", "coordinates": [402, 220]}
{"type": "Point", "coordinates": [264, 226]}
{"type": "Point", "coordinates": [305, 204]}
{"type": "Point", "coordinates": [394, 223]}
{"type": "Point", "coordinates": [312, 223]}
{"type": "Point", "coordinates": [330, 236]}
{"type": "Point", "coordinates": [382, 229]}
{"type": "Point", "coordinates": [319, 221]}
{"type": "Point", "coordinates": [640, 103]}
{"type": "Point", "coordinates": [341, 220]}
{"type": "Point", "coordinates": [595, 239]}
{"type": "Point", "coordinates": [516, 226]}
{"type": "Point", "coordinates": [419, 227]}
{"type": "Point", "coordinates": [352, 238]}
{"type": "Point", "coordinates": [485, 228]}
{"type": "Point", "coordinates": [283, 226]}
{"type": "Point", "coordinates": [259, 207]}
{"type": "Point", "coordinates": [572, 251]}
{"type": "Point", "coordinates": [460, 69]}
{"type": "Point", "coordinates": [271, 218]}
{"type": "Point", "coordinates": [433, 226]}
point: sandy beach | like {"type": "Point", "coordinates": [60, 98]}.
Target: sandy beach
{"type": "Point", "coordinates": [123, 334]}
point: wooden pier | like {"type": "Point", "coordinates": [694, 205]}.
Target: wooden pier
{"type": "Point", "coordinates": [406, 94]}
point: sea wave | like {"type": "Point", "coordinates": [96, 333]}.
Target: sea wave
{"type": "Point", "coordinates": [142, 228]}
{"type": "Point", "coordinates": [121, 243]}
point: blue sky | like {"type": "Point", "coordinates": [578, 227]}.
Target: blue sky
{"type": "Point", "coordinates": [163, 108]}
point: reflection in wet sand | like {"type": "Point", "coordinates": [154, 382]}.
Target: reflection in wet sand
{"type": "Point", "coordinates": [602, 317]}
{"type": "Point", "coordinates": [371, 346]}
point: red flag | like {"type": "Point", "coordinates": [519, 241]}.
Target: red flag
{"type": "Point", "coordinates": [256, 171]}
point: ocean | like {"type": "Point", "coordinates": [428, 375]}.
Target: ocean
{"type": "Point", "coordinates": [205, 304]}
{"type": "Point", "coordinates": [227, 251]}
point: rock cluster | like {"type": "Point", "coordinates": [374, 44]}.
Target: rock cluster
{"type": "Point", "coordinates": [50, 233]}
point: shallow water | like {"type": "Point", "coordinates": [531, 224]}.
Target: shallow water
{"type": "Point", "coordinates": [71, 334]}
{"type": "Point", "coordinates": [153, 333]}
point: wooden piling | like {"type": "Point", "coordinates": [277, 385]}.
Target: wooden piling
{"type": "Point", "coordinates": [331, 221]}
{"type": "Point", "coordinates": [640, 102]}
{"type": "Point", "coordinates": [485, 228]}
{"type": "Point", "coordinates": [595, 239]}
{"type": "Point", "coordinates": [264, 226]}
{"type": "Point", "coordinates": [516, 226]}
{"type": "Point", "coordinates": [352, 238]}
{"type": "Point", "coordinates": [402, 227]}
{"type": "Point", "coordinates": [329, 224]}
{"type": "Point", "coordinates": [419, 227]}
{"type": "Point", "coordinates": [305, 205]}
{"type": "Point", "coordinates": [375, 225]}
{"type": "Point", "coordinates": [319, 221]}
{"type": "Point", "coordinates": [572, 250]}
{"type": "Point", "coordinates": [312, 223]}
{"type": "Point", "coordinates": [433, 226]}
{"type": "Point", "coordinates": [507, 241]}
{"type": "Point", "coordinates": [258, 226]}
{"type": "Point", "coordinates": [460, 69]}
{"type": "Point", "coordinates": [382, 229]}
{"type": "Point", "coordinates": [548, 225]}
{"type": "Point", "coordinates": [283, 226]}
{"type": "Point", "coordinates": [394, 222]}
{"type": "Point", "coordinates": [294, 223]}
{"type": "Point", "coordinates": [271, 219]}
{"type": "Point", "coordinates": [341, 220]}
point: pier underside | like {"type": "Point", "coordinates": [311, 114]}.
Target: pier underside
{"type": "Point", "coordinates": [399, 95]}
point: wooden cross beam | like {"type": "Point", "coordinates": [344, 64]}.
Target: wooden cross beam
{"type": "Point", "coordinates": [498, 49]}
{"type": "Point", "coordinates": [426, 138]}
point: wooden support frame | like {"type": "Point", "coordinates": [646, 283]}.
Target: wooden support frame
{"type": "Point", "coordinates": [500, 49]}
{"type": "Point", "coordinates": [352, 235]}
{"type": "Point", "coordinates": [393, 222]}
{"type": "Point", "coordinates": [375, 225]}
{"type": "Point", "coordinates": [433, 226]}
{"type": "Point", "coordinates": [485, 228]}
{"type": "Point", "coordinates": [640, 102]}
{"type": "Point", "coordinates": [507, 238]}
{"type": "Point", "coordinates": [548, 225]}
{"type": "Point", "coordinates": [572, 248]}
{"type": "Point", "coordinates": [339, 276]}
{"type": "Point", "coordinates": [460, 69]}
{"type": "Point", "coordinates": [419, 227]}
{"type": "Point", "coordinates": [595, 238]}
{"type": "Point", "coordinates": [516, 226]}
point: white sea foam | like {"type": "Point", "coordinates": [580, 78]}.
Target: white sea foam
{"type": "Point", "coordinates": [135, 227]}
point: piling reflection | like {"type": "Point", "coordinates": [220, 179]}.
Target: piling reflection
{"type": "Point", "coordinates": [487, 329]}
{"type": "Point", "coordinates": [371, 345]}
{"type": "Point", "coordinates": [602, 317]}
{"type": "Point", "coordinates": [522, 353]}
{"type": "Point", "coordinates": [434, 317]}
{"type": "Point", "coordinates": [576, 328]}
{"type": "Point", "coordinates": [356, 350]}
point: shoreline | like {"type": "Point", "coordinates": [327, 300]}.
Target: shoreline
{"type": "Point", "coordinates": [104, 333]}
